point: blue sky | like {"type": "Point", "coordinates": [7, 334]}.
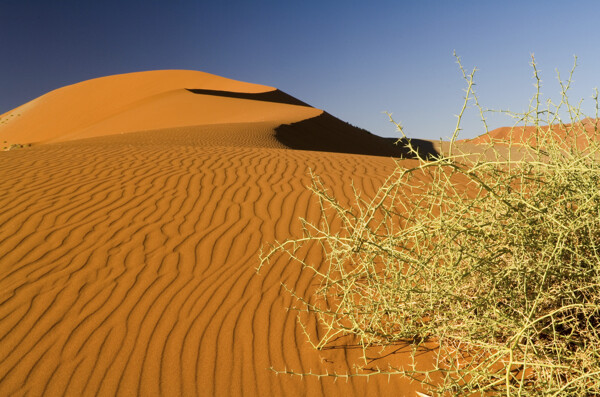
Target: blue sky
{"type": "Point", "coordinates": [354, 59]}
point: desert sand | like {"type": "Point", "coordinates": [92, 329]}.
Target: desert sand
{"type": "Point", "coordinates": [579, 133]}
{"type": "Point", "coordinates": [130, 234]}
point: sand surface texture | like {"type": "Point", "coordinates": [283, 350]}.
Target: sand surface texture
{"type": "Point", "coordinates": [130, 234]}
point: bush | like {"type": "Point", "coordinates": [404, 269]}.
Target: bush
{"type": "Point", "coordinates": [494, 257]}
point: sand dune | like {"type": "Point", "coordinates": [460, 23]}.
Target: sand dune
{"type": "Point", "coordinates": [127, 259]}
{"type": "Point", "coordinates": [579, 133]}
{"type": "Point", "coordinates": [141, 101]}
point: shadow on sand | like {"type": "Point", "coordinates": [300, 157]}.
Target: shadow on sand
{"type": "Point", "coordinates": [269, 96]}
{"type": "Point", "coordinates": [326, 133]}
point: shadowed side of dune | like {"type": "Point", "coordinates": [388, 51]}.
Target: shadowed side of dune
{"type": "Point", "coordinates": [326, 133]}
{"type": "Point", "coordinates": [276, 96]}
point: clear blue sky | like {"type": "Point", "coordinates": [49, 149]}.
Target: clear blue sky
{"type": "Point", "coordinates": [353, 59]}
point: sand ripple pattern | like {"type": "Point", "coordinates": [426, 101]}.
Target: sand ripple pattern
{"type": "Point", "coordinates": [127, 267]}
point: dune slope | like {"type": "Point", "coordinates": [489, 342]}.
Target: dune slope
{"type": "Point", "coordinates": [128, 258]}
{"type": "Point", "coordinates": [127, 266]}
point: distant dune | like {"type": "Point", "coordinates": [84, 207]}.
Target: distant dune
{"type": "Point", "coordinates": [130, 233]}
{"type": "Point", "coordinates": [520, 135]}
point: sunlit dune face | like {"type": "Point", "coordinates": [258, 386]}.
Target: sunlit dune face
{"type": "Point", "coordinates": [142, 101]}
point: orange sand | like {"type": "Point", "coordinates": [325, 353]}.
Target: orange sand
{"type": "Point", "coordinates": [129, 239]}
{"type": "Point", "coordinates": [579, 133]}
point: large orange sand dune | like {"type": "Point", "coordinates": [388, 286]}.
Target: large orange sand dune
{"type": "Point", "coordinates": [130, 233]}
